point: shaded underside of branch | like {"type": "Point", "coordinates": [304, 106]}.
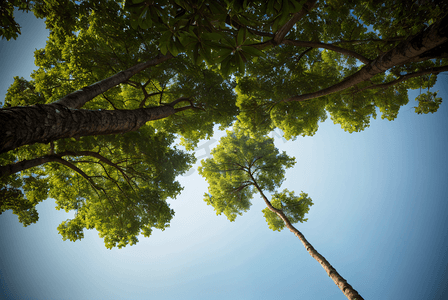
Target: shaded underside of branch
{"type": "Point", "coordinates": [402, 78]}
{"type": "Point", "coordinates": [45, 123]}
{"type": "Point", "coordinates": [337, 49]}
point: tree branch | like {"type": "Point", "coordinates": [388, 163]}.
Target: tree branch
{"type": "Point", "coordinates": [100, 158]}
{"type": "Point", "coordinates": [143, 103]}
{"type": "Point", "coordinates": [76, 169]}
{"type": "Point", "coordinates": [283, 31]}
{"type": "Point", "coordinates": [303, 53]}
{"type": "Point", "coordinates": [25, 164]}
{"type": "Point", "coordinates": [80, 97]}
{"type": "Point", "coordinates": [434, 70]}
{"type": "Point", "coordinates": [49, 122]}
{"type": "Point", "coordinates": [337, 49]}
{"type": "Point", "coordinates": [430, 38]}
{"type": "Point", "coordinates": [396, 39]}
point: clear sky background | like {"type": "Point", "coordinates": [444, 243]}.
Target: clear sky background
{"type": "Point", "coordinates": [380, 218]}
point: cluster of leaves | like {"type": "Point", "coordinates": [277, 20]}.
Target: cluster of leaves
{"type": "Point", "coordinates": [9, 27]}
{"type": "Point", "coordinates": [119, 185]}
{"type": "Point", "coordinates": [243, 165]}
{"type": "Point", "coordinates": [294, 208]}
{"type": "Point", "coordinates": [123, 192]}
{"type": "Point", "coordinates": [217, 32]}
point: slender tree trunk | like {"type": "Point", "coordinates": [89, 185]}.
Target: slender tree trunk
{"type": "Point", "coordinates": [46, 123]}
{"type": "Point", "coordinates": [346, 288]}
{"type": "Point", "coordinates": [342, 284]}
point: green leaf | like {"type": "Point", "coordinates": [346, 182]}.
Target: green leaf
{"type": "Point", "coordinates": [163, 49]}
{"type": "Point", "coordinates": [172, 48]}
{"type": "Point", "coordinates": [240, 62]}
{"type": "Point", "coordinates": [225, 65]}
{"type": "Point", "coordinates": [223, 54]}
{"type": "Point", "coordinates": [240, 163]}
{"type": "Point", "coordinates": [213, 36]}
{"type": "Point", "coordinates": [253, 51]}
{"type": "Point", "coordinates": [241, 36]}
{"type": "Point", "coordinates": [134, 23]}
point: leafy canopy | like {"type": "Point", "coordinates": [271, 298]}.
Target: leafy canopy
{"type": "Point", "coordinates": [242, 166]}
{"type": "Point", "coordinates": [118, 184]}
{"type": "Point", "coordinates": [233, 60]}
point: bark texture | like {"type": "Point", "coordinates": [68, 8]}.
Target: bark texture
{"type": "Point", "coordinates": [45, 123]}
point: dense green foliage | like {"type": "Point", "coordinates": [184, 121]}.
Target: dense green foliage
{"type": "Point", "coordinates": [9, 27]}
{"type": "Point", "coordinates": [294, 207]}
{"type": "Point", "coordinates": [116, 184]}
{"type": "Point", "coordinates": [243, 165]}
{"type": "Point", "coordinates": [231, 60]}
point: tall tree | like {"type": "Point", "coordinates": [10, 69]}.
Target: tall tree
{"type": "Point", "coordinates": [119, 183]}
{"type": "Point", "coordinates": [114, 68]}
{"type": "Point", "coordinates": [242, 166]}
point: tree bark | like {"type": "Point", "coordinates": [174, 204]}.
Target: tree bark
{"type": "Point", "coordinates": [61, 119]}
{"type": "Point", "coordinates": [46, 123]}
{"type": "Point", "coordinates": [342, 284]}
{"type": "Point", "coordinates": [415, 46]}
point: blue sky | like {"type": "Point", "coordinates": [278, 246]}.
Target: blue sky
{"type": "Point", "coordinates": [379, 217]}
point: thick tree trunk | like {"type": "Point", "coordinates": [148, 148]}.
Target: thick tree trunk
{"type": "Point", "coordinates": [342, 284]}
{"type": "Point", "coordinates": [46, 123]}
{"type": "Point", "coordinates": [416, 46]}
{"type": "Point", "coordinates": [61, 119]}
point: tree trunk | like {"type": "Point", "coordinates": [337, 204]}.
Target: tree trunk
{"type": "Point", "coordinates": [346, 288]}
{"type": "Point", "coordinates": [61, 119]}
{"type": "Point", "coordinates": [46, 123]}
{"type": "Point", "coordinates": [342, 284]}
